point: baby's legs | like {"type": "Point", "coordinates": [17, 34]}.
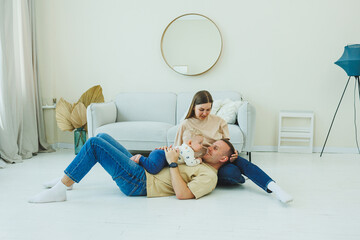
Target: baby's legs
{"type": "Point", "coordinates": [155, 162]}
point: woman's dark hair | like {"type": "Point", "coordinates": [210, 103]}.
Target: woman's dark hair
{"type": "Point", "coordinates": [200, 97]}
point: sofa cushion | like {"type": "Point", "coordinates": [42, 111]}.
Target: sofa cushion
{"type": "Point", "coordinates": [228, 110]}
{"type": "Point", "coordinates": [156, 107]}
{"type": "Point", "coordinates": [140, 135]}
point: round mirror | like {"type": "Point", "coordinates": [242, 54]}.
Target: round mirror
{"type": "Point", "coordinates": [191, 44]}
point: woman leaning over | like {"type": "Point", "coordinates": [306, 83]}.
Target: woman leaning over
{"type": "Point", "coordinates": [214, 128]}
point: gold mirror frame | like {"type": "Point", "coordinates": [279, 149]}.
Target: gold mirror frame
{"type": "Point", "coordinates": [208, 68]}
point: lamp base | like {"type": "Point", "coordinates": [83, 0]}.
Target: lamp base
{"type": "Point", "coordinates": [357, 82]}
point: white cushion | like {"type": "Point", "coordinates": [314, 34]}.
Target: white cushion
{"type": "Point", "coordinates": [228, 110]}
{"type": "Point", "coordinates": [138, 135]}
{"type": "Point", "coordinates": [157, 107]}
{"type": "Point", "coordinates": [217, 104]}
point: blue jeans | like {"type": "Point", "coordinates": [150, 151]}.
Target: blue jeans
{"type": "Point", "coordinates": [230, 173]}
{"type": "Point", "coordinates": [154, 162]}
{"type": "Point", "coordinates": [115, 159]}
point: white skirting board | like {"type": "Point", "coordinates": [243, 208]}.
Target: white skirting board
{"type": "Point", "coordinates": [315, 149]}
{"type": "Point", "coordinates": [256, 148]}
{"type": "Point", "coordinates": [63, 145]}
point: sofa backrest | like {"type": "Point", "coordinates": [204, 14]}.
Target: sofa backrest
{"type": "Point", "coordinates": [184, 100]}
{"type": "Point", "coordinates": [157, 107]}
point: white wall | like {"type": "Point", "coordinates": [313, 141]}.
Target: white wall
{"type": "Point", "coordinates": [279, 54]}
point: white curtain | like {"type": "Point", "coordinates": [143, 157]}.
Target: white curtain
{"type": "Point", "coordinates": [21, 120]}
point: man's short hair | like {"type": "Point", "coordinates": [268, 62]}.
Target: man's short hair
{"type": "Point", "coordinates": [231, 151]}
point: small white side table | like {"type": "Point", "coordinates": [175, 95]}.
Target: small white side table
{"type": "Point", "coordinates": [296, 131]}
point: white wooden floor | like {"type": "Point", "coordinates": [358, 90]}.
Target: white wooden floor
{"type": "Point", "coordinates": [326, 206]}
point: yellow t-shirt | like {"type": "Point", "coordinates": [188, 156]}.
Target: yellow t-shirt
{"type": "Point", "coordinates": [200, 179]}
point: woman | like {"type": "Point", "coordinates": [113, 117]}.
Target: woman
{"type": "Point", "coordinates": [214, 128]}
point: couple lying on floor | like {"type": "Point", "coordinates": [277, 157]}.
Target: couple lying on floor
{"type": "Point", "coordinates": [185, 171]}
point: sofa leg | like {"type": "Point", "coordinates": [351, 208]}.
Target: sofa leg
{"type": "Point", "coordinates": [249, 154]}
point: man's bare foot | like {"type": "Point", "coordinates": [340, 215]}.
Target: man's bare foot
{"type": "Point", "coordinates": [136, 158]}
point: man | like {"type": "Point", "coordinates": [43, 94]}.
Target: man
{"type": "Point", "coordinates": [181, 180]}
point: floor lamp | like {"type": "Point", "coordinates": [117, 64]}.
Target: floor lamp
{"type": "Point", "coordinates": [350, 62]}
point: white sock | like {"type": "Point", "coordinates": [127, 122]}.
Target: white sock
{"type": "Point", "coordinates": [55, 194]}
{"type": "Point", "coordinates": [279, 193]}
{"type": "Point", "coordinates": [53, 182]}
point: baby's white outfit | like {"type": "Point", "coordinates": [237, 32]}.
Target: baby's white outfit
{"type": "Point", "coordinates": [187, 156]}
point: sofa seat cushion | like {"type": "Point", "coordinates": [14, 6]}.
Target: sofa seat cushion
{"type": "Point", "coordinates": [137, 135]}
{"type": "Point", "coordinates": [236, 136]}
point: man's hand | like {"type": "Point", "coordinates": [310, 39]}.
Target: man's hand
{"type": "Point", "coordinates": [171, 154]}
{"type": "Point", "coordinates": [180, 187]}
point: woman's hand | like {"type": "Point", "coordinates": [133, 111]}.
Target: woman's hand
{"type": "Point", "coordinates": [163, 147]}
{"type": "Point", "coordinates": [234, 156]}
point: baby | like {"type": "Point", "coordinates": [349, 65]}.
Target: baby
{"type": "Point", "coordinates": [156, 161]}
{"type": "Point", "coordinates": [193, 143]}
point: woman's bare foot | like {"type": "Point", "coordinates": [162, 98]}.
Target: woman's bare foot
{"type": "Point", "coordinates": [136, 158]}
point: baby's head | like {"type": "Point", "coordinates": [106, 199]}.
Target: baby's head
{"type": "Point", "coordinates": [194, 139]}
